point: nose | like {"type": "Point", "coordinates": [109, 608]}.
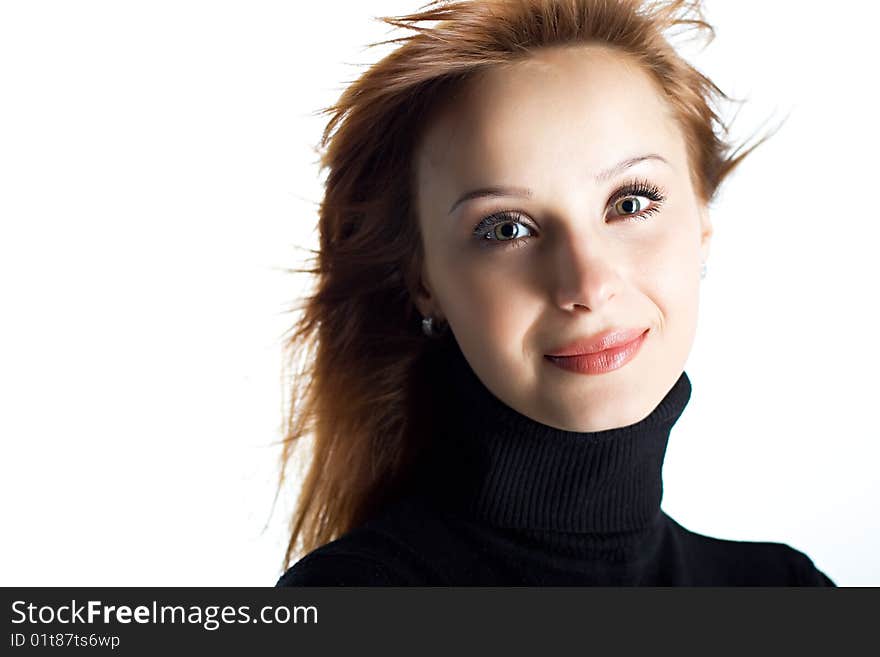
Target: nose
{"type": "Point", "coordinates": [585, 273]}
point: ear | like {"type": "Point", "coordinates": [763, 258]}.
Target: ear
{"type": "Point", "coordinates": [706, 231]}
{"type": "Point", "coordinates": [424, 298]}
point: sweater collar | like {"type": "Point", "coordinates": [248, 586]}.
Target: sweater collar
{"type": "Point", "coordinates": [505, 469]}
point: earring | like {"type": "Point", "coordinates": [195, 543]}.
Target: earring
{"type": "Point", "coordinates": [430, 330]}
{"type": "Point", "coordinates": [703, 271]}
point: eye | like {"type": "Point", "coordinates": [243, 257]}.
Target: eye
{"type": "Point", "coordinates": [636, 200]}
{"type": "Point", "coordinates": [503, 226]}
{"type": "Point", "coordinates": [634, 207]}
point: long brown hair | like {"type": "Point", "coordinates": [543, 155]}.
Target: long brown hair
{"type": "Point", "coordinates": [357, 346]}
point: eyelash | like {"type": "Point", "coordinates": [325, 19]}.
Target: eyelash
{"type": "Point", "coordinates": [642, 188]}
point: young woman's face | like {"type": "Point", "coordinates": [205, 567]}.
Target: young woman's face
{"type": "Point", "coordinates": [576, 255]}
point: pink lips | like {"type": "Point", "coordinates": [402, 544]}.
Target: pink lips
{"type": "Point", "coordinates": [604, 352]}
{"type": "Point", "coordinates": [599, 342]}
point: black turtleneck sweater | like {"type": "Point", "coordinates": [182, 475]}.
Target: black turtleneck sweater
{"type": "Point", "coordinates": [500, 499]}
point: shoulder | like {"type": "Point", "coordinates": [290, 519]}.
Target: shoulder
{"type": "Point", "coordinates": [381, 552]}
{"type": "Point", "coordinates": [748, 563]}
{"type": "Point", "coordinates": [327, 566]}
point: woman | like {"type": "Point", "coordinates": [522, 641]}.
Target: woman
{"type": "Point", "coordinates": [514, 229]}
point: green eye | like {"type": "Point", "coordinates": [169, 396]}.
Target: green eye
{"type": "Point", "coordinates": [502, 228]}
{"type": "Point", "coordinates": [631, 205]}
{"type": "Point", "coordinates": [506, 230]}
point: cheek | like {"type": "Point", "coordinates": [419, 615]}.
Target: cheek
{"type": "Point", "coordinates": [671, 276]}
{"type": "Point", "coordinates": [487, 303]}
{"type": "Point", "coordinates": [671, 279]}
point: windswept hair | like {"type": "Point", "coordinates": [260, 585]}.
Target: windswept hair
{"type": "Point", "coordinates": [357, 347]}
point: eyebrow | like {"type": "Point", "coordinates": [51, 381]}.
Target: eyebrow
{"type": "Point", "coordinates": [600, 177]}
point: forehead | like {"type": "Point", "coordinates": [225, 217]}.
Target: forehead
{"type": "Point", "coordinates": [584, 104]}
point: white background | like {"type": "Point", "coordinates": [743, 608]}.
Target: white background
{"type": "Point", "coordinates": [157, 175]}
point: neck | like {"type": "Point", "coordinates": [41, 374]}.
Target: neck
{"type": "Point", "coordinates": [499, 467]}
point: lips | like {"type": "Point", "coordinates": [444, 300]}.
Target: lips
{"type": "Point", "coordinates": [602, 341]}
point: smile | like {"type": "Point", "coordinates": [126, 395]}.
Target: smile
{"type": "Point", "coordinates": [601, 361]}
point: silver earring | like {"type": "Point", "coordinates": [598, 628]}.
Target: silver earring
{"type": "Point", "coordinates": [703, 271]}
{"type": "Point", "coordinates": [429, 329]}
